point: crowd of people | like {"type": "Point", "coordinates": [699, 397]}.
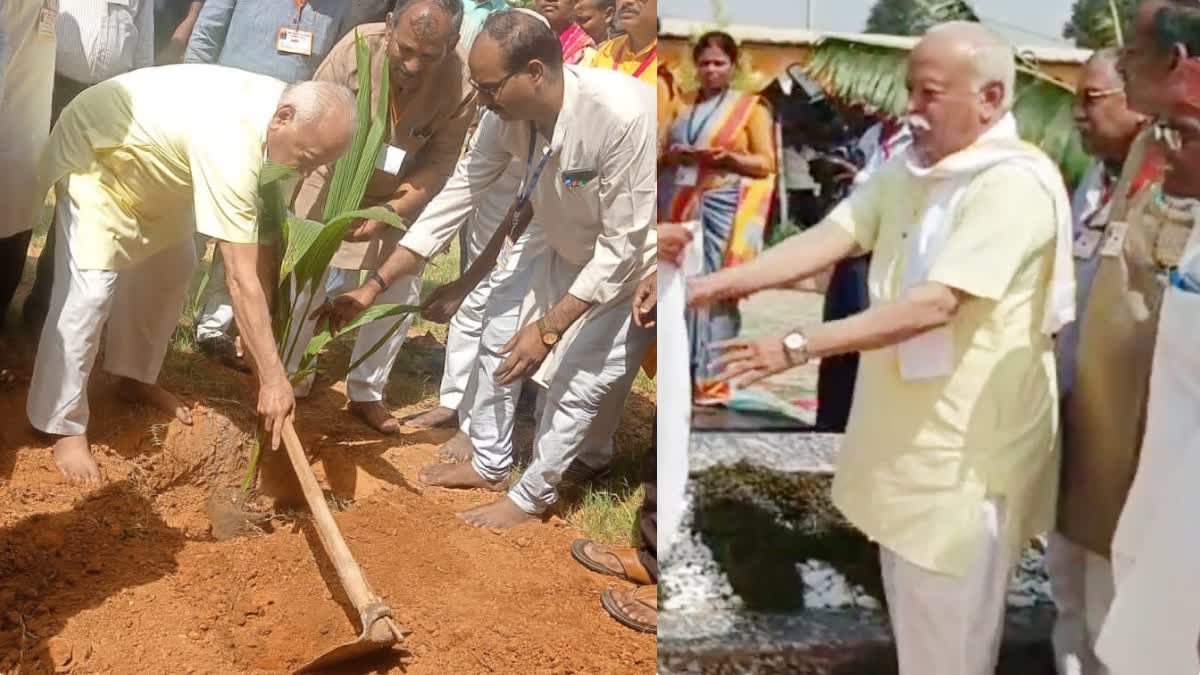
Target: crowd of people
{"type": "Point", "coordinates": [527, 135]}
{"type": "Point", "coordinates": [1026, 364]}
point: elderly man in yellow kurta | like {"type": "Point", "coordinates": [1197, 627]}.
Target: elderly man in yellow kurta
{"type": "Point", "coordinates": [432, 105]}
{"type": "Point", "coordinates": [132, 159]}
{"type": "Point", "coordinates": [949, 461]}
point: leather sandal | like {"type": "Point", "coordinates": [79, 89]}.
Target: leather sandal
{"type": "Point", "coordinates": [625, 563]}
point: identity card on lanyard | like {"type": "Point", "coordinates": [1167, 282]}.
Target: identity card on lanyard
{"type": "Point", "coordinates": [292, 40]}
{"type": "Point", "coordinates": [48, 19]}
{"type": "Point", "coordinates": [688, 175]}
{"type": "Point", "coordinates": [532, 174]}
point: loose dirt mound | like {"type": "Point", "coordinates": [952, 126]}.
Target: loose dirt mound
{"type": "Point", "coordinates": [127, 577]}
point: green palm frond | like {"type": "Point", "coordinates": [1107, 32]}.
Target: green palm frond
{"type": "Point", "coordinates": [874, 74]}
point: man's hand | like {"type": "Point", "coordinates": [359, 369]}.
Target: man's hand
{"type": "Point", "coordinates": [276, 405]}
{"type": "Point", "coordinates": [365, 230]}
{"type": "Point", "coordinates": [526, 351]}
{"type": "Point", "coordinates": [346, 307]}
{"type": "Point", "coordinates": [744, 362]}
{"type": "Point", "coordinates": [722, 286]}
{"type": "Point", "coordinates": [645, 302]}
{"type": "Point", "coordinates": [444, 301]}
{"type": "Point", "coordinates": [672, 240]}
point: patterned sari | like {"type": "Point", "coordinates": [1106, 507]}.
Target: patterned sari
{"type": "Point", "coordinates": [731, 208]}
{"type": "Point", "coordinates": [575, 43]}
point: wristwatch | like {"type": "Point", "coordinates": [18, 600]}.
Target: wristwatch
{"type": "Point", "coordinates": [549, 337]}
{"type": "Point", "coordinates": [796, 347]}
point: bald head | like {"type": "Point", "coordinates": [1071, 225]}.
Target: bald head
{"type": "Point", "coordinates": [960, 82]}
{"type": "Point", "coordinates": [312, 126]}
{"type": "Point", "coordinates": [1106, 124]}
{"type": "Point", "coordinates": [422, 33]}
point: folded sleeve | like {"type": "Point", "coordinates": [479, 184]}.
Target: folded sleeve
{"type": "Point", "coordinates": [1005, 219]}
{"type": "Point", "coordinates": [485, 161]}
{"type": "Point", "coordinates": [208, 35]}
{"type": "Point", "coordinates": [628, 194]}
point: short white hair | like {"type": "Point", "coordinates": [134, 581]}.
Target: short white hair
{"type": "Point", "coordinates": [991, 56]}
{"type": "Point", "coordinates": [313, 100]}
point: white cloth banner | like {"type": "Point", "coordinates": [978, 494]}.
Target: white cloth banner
{"type": "Point", "coordinates": [674, 387]}
{"type": "Point", "coordinates": [1154, 623]}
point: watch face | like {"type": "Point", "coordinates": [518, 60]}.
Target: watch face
{"type": "Point", "coordinates": [549, 339]}
{"type": "Point", "coordinates": [794, 341]}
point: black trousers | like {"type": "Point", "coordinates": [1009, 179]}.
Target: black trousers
{"type": "Point", "coordinates": [648, 515]}
{"type": "Point", "coordinates": [38, 302]}
{"type": "Point", "coordinates": [847, 296]}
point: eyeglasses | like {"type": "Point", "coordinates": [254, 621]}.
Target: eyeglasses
{"type": "Point", "coordinates": [491, 90]}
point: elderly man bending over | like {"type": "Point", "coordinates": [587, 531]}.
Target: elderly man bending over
{"type": "Point", "coordinates": [949, 460]}
{"type": "Point", "coordinates": [132, 159]}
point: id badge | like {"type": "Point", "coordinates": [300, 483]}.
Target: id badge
{"type": "Point", "coordinates": [390, 159]}
{"type": "Point", "coordinates": [687, 175]}
{"type": "Point", "coordinates": [1087, 243]}
{"type": "Point", "coordinates": [294, 41]}
{"type": "Point", "coordinates": [47, 22]}
{"type": "Point", "coordinates": [1114, 241]}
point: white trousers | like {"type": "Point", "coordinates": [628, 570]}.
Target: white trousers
{"type": "Point", "coordinates": [466, 326]}
{"type": "Point", "coordinates": [26, 89]}
{"type": "Point", "coordinates": [367, 382]}
{"type": "Point", "coordinates": [582, 404]}
{"type": "Point", "coordinates": [1082, 583]}
{"type": "Point", "coordinates": [140, 306]}
{"type": "Point", "coordinates": [216, 317]}
{"type": "Point", "coordinates": [947, 625]}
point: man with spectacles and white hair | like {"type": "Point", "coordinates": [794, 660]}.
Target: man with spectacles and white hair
{"type": "Point", "coordinates": [949, 460]}
{"type": "Point", "coordinates": [132, 159]}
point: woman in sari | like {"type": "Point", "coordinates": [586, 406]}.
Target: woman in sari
{"type": "Point", "coordinates": [719, 169]}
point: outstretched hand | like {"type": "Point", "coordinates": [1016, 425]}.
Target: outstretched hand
{"type": "Point", "coordinates": [443, 303]}
{"type": "Point", "coordinates": [744, 362]}
{"type": "Point", "coordinates": [345, 308]}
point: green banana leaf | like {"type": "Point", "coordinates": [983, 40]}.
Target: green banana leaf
{"type": "Point", "coordinates": [870, 73]}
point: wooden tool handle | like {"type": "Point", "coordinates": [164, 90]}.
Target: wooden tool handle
{"type": "Point", "coordinates": [348, 571]}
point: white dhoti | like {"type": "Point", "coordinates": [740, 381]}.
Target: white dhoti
{"type": "Point", "coordinates": [26, 88]}
{"type": "Point", "coordinates": [140, 306]}
{"type": "Point", "coordinates": [367, 382]}
{"type": "Point", "coordinates": [1082, 584]}
{"type": "Point", "coordinates": [1154, 623]}
{"type": "Point", "coordinates": [587, 378]}
{"type": "Point", "coordinates": [947, 625]}
{"type": "Point", "coordinates": [466, 326]}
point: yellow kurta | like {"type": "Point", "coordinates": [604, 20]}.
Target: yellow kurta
{"type": "Point", "coordinates": [145, 150]}
{"type": "Point", "coordinates": [920, 457]}
{"type": "Point", "coordinates": [616, 55]}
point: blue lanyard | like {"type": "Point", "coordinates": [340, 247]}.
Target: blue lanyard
{"type": "Point", "coordinates": [531, 174]}
{"type": "Point", "coordinates": [693, 135]}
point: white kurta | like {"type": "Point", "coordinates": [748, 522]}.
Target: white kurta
{"type": "Point", "coordinates": [596, 204]}
{"type": "Point", "coordinates": [26, 86]}
{"type": "Point", "coordinates": [1154, 623]}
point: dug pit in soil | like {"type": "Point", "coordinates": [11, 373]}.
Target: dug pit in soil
{"type": "Point", "coordinates": [133, 576]}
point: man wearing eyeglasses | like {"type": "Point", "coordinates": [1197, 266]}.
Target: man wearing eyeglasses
{"type": "Point", "coordinates": [431, 107]}
{"type": "Point", "coordinates": [1081, 578]}
{"type": "Point", "coordinates": [586, 140]}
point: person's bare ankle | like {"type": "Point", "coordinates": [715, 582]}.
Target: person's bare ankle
{"type": "Point", "coordinates": [458, 477]}
{"type": "Point", "coordinates": [376, 415]}
{"type": "Point", "coordinates": [438, 418]}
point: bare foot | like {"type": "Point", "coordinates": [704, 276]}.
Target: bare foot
{"type": "Point", "coordinates": [499, 515]}
{"type": "Point", "coordinates": [636, 608]}
{"type": "Point", "coordinates": [437, 418]}
{"type": "Point", "coordinates": [457, 449]}
{"type": "Point", "coordinates": [154, 396]}
{"type": "Point", "coordinates": [457, 477]}
{"type": "Point", "coordinates": [74, 458]}
{"type": "Point", "coordinates": [377, 416]}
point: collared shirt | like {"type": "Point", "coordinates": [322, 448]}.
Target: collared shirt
{"type": "Point", "coordinates": [475, 12]}
{"type": "Point", "coordinates": [606, 129]}
{"type": "Point", "coordinates": [99, 39]}
{"type": "Point", "coordinates": [146, 149]}
{"type": "Point", "coordinates": [429, 123]}
{"type": "Point", "coordinates": [243, 34]}
{"type": "Point", "coordinates": [616, 55]}
{"type": "Point", "coordinates": [920, 457]}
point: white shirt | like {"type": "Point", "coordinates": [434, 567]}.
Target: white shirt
{"type": "Point", "coordinates": [100, 39]}
{"type": "Point", "coordinates": [607, 127]}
